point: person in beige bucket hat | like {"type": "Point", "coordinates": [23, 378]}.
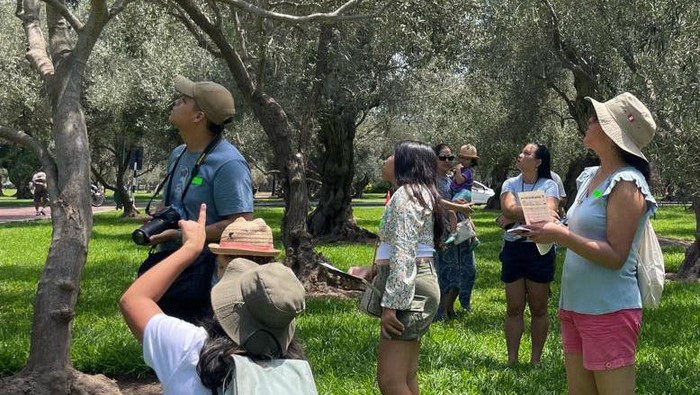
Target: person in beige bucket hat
{"type": "Point", "coordinates": [600, 306]}
{"type": "Point", "coordinates": [626, 121]}
{"type": "Point", "coordinates": [255, 309]}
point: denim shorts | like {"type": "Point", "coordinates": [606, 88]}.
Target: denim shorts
{"type": "Point", "coordinates": [521, 259]}
{"type": "Point", "coordinates": [418, 317]}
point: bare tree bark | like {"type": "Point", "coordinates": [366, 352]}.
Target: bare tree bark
{"type": "Point", "coordinates": [62, 67]}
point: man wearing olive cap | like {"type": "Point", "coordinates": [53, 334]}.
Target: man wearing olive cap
{"type": "Point", "coordinates": [205, 169]}
{"type": "Point", "coordinates": [223, 179]}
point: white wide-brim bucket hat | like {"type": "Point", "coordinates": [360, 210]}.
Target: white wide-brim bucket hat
{"type": "Point", "coordinates": [627, 121]}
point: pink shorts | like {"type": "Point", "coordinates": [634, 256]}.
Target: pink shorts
{"type": "Point", "coordinates": [607, 341]}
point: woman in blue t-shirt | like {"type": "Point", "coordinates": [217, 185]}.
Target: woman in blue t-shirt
{"type": "Point", "coordinates": [525, 271]}
{"type": "Point", "coordinates": [600, 305]}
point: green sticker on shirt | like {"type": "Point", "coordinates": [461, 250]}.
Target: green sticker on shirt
{"type": "Point", "coordinates": [197, 180]}
{"type": "Point", "coordinates": [597, 193]}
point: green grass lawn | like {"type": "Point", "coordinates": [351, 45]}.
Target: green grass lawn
{"type": "Point", "coordinates": [464, 356]}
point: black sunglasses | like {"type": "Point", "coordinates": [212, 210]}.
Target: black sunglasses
{"type": "Point", "coordinates": [446, 158]}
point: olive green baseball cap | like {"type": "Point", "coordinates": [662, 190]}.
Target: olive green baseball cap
{"type": "Point", "coordinates": [215, 101]}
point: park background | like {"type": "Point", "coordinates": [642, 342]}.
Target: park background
{"type": "Point", "coordinates": [324, 90]}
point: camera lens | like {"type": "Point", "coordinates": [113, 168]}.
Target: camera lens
{"type": "Point", "coordinates": [139, 237]}
{"type": "Point", "coordinates": [142, 235]}
{"type": "Point", "coordinates": [162, 220]}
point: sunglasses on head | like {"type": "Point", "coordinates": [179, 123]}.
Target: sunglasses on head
{"type": "Point", "coordinates": [446, 157]}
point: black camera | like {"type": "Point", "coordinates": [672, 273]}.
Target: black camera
{"type": "Point", "coordinates": [167, 218]}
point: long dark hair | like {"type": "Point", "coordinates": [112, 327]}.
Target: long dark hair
{"type": "Point", "coordinates": [215, 355]}
{"type": "Point", "coordinates": [439, 148]}
{"type": "Point", "coordinates": [636, 162]}
{"type": "Point", "coordinates": [415, 167]}
{"type": "Point", "coordinates": [544, 170]}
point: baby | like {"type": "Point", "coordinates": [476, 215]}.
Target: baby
{"type": "Point", "coordinates": [461, 186]}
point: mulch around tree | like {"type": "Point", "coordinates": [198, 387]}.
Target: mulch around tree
{"type": "Point", "coordinates": [132, 385]}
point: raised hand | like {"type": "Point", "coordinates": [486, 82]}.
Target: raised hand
{"type": "Point", "coordinates": [194, 234]}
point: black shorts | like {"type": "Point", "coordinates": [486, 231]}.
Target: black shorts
{"type": "Point", "coordinates": [520, 259]}
{"type": "Point", "coordinates": [40, 193]}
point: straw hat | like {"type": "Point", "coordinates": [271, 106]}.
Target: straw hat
{"type": "Point", "coordinates": [626, 121]}
{"type": "Point", "coordinates": [242, 237]}
{"type": "Point", "coordinates": [256, 305]}
{"type": "Point", "coordinates": [468, 151]}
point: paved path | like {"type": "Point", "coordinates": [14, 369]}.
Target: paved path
{"type": "Point", "coordinates": [24, 214]}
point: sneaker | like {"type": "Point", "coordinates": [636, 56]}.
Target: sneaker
{"type": "Point", "coordinates": [42, 212]}
{"type": "Point", "coordinates": [37, 214]}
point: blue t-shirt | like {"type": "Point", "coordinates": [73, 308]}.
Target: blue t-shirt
{"type": "Point", "coordinates": [223, 182]}
{"type": "Point", "coordinates": [517, 184]}
{"type": "Point", "coordinates": [587, 287]}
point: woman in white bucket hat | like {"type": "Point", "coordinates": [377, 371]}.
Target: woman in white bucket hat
{"type": "Point", "coordinates": [600, 306]}
{"type": "Point", "coordinates": [249, 346]}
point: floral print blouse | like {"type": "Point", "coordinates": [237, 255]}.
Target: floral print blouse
{"type": "Point", "coordinates": [404, 225]}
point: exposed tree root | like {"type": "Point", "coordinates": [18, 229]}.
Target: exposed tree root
{"type": "Point", "coordinates": [68, 382]}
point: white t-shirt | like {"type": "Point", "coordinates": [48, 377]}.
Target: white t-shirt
{"type": "Point", "coordinates": [560, 185]}
{"type": "Point", "coordinates": [171, 347]}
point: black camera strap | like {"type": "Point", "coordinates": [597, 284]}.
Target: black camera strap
{"type": "Point", "coordinates": [195, 170]}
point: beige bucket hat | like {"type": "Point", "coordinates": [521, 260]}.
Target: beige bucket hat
{"type": "Point", "coordinates": [627, 121]}
{"type": "Point", "coordinates": [215, 101]}
{"type": "Point", "coordinates": [243, 237]}
{"type": "Point", "coordinates": [256, 306]}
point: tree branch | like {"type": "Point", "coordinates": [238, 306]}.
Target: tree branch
{"type": "Point", "coordinates": [233, 60]}
{"type": "Point", "coordinates": [217, 12]}
{"type": "Point", "coordinates": [291, 4]}
{"type": "Point", "coordinates": [558, 44]}
{"type": "Point", "coordinates": [72, 19]}
{"type": "Point", "coordinates": [241, 34]}
{"type": "Point", "coordinates": [99, 16]}
{"type": "Point", "coordinates": [311, 106]}
{"type": "Point", "coordinates": [196, 33]}
{"type": "Point", "coordinates": [37, 54]}
{"type": "Point", "coordinates": [262, 54]}
{"type": "Point", "coordinates": [25, 140]}
{"type": "Point", "coordinates": [337, 15]}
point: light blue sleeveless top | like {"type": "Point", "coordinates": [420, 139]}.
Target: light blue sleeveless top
{"type": "Point", "coordinates": [587, 287]}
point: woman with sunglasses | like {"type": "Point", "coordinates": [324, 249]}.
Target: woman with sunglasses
{"type": "Point", "coordinates": [600, 307]}
{"type": "Point", "coordinates": [525, 272]}
{"type": "Point", "coordinates": [454, 262]}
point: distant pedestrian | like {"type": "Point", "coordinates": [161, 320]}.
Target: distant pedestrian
{"type": "Point", "coordinates": [41, 193]}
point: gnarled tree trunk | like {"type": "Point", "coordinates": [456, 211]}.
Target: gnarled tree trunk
{"type": "Point", "coordinates": [690, 269]}
{"type": "Point", "coordinates": [332, 220]}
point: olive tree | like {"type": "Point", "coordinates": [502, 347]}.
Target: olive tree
{"type": "Point", "coordinates": [60, 61]}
